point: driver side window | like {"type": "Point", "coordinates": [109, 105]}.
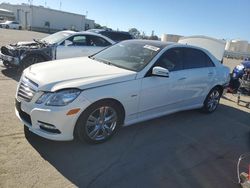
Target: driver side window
{"type": "Point", "coordinates": [78, 40]}
{"type": "Point", "coordinates": [171, 60]}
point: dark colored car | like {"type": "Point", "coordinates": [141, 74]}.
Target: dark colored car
{"type": "Point", "coordinates": [237, 74]}
{"type": "Point", "coordinates": [239, 69]}
{"type": "Point", "coordinates": [116, 36]}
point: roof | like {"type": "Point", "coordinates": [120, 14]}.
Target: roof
{"type": "Point", "coordinates": [5, 10]}
{"type": "Point", "coordinates": [155, 43]}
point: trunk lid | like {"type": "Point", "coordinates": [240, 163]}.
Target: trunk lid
{"type": "Point", "coordinates": [215, 46]}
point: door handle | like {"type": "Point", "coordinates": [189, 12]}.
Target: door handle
{"type": "Point", "coordinates": [183, 78]}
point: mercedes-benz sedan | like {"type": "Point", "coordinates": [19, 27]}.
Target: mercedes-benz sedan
{"type": "Point", "coordinates": [132, 81]}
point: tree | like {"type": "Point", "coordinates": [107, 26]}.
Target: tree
{"type": "Point", "coordinates": [134, 32]}
{"type": "Point", "coordinates": [153, 37]}
{"type": "Point", "coordinates": [98, 26]}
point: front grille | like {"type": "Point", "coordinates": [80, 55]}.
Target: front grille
{"type": "Point", "coordinates": [26, 90]}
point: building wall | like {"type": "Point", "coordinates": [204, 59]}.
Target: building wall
{"type": "Point", "coordinates": [47, 20]}
{"type": "Point", "coordinates": [170, 38]}
{"type": "Point", "coordinates": [19, 13]}
{"type": "Point", "coordinates": [6, 15]}
{"type": "Point", "coordinates": [89, 24]}
{"type": "Point", "coordinates": [248, 48]}
{"type": "Point", "coordinates": [57, 19]}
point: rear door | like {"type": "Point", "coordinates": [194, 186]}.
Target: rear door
{"type": "Point", "coordinates": [200, 75]}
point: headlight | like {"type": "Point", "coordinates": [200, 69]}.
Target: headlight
{"type": "Point", "coordinates": [43, 98]}
{"type": "Point", "coordinates": [60, 98]}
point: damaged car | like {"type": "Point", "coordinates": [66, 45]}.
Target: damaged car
{"type": "Point", "coordinates": [60, 45]}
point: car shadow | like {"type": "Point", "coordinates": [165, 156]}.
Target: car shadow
{"type": "Point", "coordinates": [186, 149]}
{"type": "Point", "coordinates": [12, 73]}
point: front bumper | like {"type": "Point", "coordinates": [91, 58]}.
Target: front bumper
{"type": "Point", "coordinates": [32, 116]}
{"type": "Point", "coordinates": [11, 60]}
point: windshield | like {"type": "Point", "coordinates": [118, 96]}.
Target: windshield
{"type": "Point", "coordinates": [131, 54]}
{"type": "Point", "coordinates": [56, 37]}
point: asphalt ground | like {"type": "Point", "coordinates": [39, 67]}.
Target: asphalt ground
{"type": "Point", "coordinates": [185, 149]}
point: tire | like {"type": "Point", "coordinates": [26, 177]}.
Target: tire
{"type": "Point", "coordinates": [20, 27]}
{"type": "Point", "coordinates": [28, 61]}
{"type": "Point", "coordinates": [92, 127]}
{"type": "Point", "coordinates": [212, 100]}
{"type": "Point", "coordinates": [7, 27]}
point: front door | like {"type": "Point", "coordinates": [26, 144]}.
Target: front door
{"type": "Point", "coordinates": [162, 94]}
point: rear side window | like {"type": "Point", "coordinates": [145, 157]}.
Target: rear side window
{"type": "Point", "coordinates": [194, 58]}
{"type": "Point", "coordinates": [97, 41]}
{"type": "Point", "coordinates": [116, 36]}
{"type": "Point", "coordinates": [171, 60]}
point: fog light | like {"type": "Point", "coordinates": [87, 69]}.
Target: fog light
{"type": "Point", "coordinates": [48, 127]}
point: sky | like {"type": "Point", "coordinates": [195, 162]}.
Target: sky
{"type": "Point", "coordinates": [223, 19]}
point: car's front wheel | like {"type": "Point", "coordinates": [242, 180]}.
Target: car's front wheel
{"type": "Point", "coordinates": [212, 100]}
{"type": "Point", "coordinates": [98, 122]}
{"type": "Point", "coordinates": [30, 60]}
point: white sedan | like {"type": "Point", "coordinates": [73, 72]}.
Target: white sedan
{"type": "Point", "coordinates": [11, 25]}
{"type": "Point", "coordinates": [130, 82]}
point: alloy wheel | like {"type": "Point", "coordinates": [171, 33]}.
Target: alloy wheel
{"type": "Point", "coordinates": [101, 123]}
{"type": "Point", "coordinates": [213, 100]}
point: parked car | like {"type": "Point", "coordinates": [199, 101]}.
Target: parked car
{"type": "Point", "coordinates": [10, 25]}
{"type": "Point", "coordinates": [116, 36]}
{"type": "Point", "coordinates": [129, 82]}
{"type": "Point", "coordinates": [60, 45]}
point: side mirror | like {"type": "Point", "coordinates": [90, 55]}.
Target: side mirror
{"type": "Point", "coordinates": [160, 71]}
{"type": "Point", "coordinates": [67, 43]}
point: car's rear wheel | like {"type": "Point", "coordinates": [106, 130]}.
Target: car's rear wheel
{"type": "Point", "coordinates": [20, 27]}
{"type": "Point", "coordinates": [212, 100]}
{"type": "Point", "coordinates": [7, 27]}
{"type": "Point", "coordinates": [98, 122]}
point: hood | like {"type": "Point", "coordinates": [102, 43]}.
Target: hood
{"type": "Point", "coordinates": [214, 46]}
{"type": "Point", "coordinates": [25, 43]}
{"type": "Point", "coordinates": [82, 73]}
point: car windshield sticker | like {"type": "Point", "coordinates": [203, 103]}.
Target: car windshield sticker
{"type": "Point", "coordinates": [151, 48]}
